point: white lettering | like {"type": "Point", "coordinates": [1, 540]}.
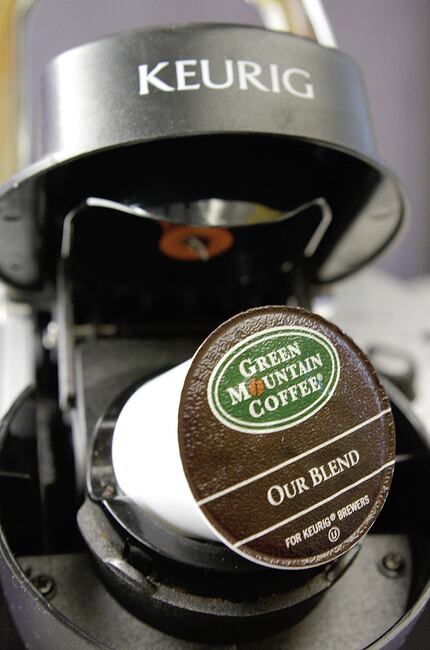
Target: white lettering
{"type": "Point", "coordinates": [295, 81]}
{"type": "Point", "coordinates": [248, 71]}
{"type": "Point", "coordinates": [334, 467]}
{"type": "Point", "coordinates": [256, 403]}
{"type": "Point", "coordinates": [275, 495]}
{"type": "Point", "coordinates": [348, 510]}
{"type": "Point", "coordinates": [183, 74]}
{"type": "Point", "coordinates": [293, 540]}
{"type": "Point", "coordinates": [262, 363]}
{"type": "Point", "coordinates": [246, 368]}
{"type": "Point", "coordinates": [204, 64]}
{"type": "Point", "coordinates": [238, 394]}
{"type": "Point", "coordinates": [146, 78]}
{"type": "Point", "coordinates": [315, 476]}
{"type": "Point", "coordinates": [271, 403]}
{"type": "Point", "coordinates": [307, 92]}
{"type": "Point", "coordinates": [274, 75]}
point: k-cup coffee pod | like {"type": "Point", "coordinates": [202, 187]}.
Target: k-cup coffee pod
{"type": "Point", "coordinates": [286, 437]}
{"type": "Point", "coordinates": [276, 439]}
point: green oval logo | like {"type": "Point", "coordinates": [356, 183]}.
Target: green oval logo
{"type": "Point", "coordinates": [273, 380]}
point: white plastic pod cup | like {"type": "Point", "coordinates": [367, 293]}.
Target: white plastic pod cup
{"type": "Point", "coordinates": [146, 458]}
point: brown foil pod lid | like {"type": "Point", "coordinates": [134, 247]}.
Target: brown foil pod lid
{"type": "Point", "coordinates": [286, 437]}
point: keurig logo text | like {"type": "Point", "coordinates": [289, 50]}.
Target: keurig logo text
{"type": "Point", "coordinates": [273, 380]}
{"type": "Point", "coordinates": [193, 74]}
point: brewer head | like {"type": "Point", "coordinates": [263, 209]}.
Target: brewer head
{"type": "Point", "coordinates": [132, 126]}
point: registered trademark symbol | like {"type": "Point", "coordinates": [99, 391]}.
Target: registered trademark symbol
{"type": "Point", "coordinates": [332, 517]}
{"type": "Point", "coordinates": [319, 377]}
{"type": "Point", "coordinates": [333, 534]}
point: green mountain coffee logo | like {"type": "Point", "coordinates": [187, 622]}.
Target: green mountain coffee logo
{"type": "Point", "coordinates": [273, 380]}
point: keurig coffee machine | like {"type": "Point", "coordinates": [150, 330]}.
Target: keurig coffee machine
{"type": "Point", "coordinates": [204, 458]}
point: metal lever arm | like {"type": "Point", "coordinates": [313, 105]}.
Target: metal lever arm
{"type": "Point", "coordinates": [301, 17]}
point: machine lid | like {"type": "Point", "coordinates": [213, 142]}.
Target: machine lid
{"type": "Point", "coordinates": [192, 114]}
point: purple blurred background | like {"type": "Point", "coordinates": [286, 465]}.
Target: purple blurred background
{"type": "Point", "coordinates": [389, 39]}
